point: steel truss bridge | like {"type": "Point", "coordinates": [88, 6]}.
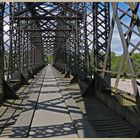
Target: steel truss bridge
{"type": "Point", "coordinates": [78, 37]}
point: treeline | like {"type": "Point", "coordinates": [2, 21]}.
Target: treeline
{"type": "Point", "coordinates": [116, 60]}
{"type": "Point", "coordinates": [48, 59]}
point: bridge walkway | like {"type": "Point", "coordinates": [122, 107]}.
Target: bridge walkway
{"type": "Point", "coordinates": [51, 107]}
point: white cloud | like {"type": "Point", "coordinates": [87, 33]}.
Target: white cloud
{"type": "Point", "coordinates": [116, 45]}
{"type": "Point", "coordinates": [6, 28]}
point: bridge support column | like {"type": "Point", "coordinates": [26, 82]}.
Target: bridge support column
{"type": "Point", "coordinates": [31, 75]}
{"type": "Point", "coordinates": [24, 81]}
{"type": "Point", "coordinates": [90, 91]}
{"type": "Point", "coordinates": [9, 93]}
{"type": "Point", "coordinates": [74, 79]}
{"type": "Point", "coordinates": [63, 71]}
{"type": "Point", "coordinates": [67, 75]}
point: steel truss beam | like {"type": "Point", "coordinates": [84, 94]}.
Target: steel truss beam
{"type": "Point", "coordinates": [46, 18]}
{"type": "Point", "coordinates": [101, 29]}
{"type": "Point", "coordinates": [126, 40]}
{"type": "Point", "coordinates": [1, 51]}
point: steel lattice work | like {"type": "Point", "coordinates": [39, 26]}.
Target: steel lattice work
{"type": "Point", "coordinates": [78, 35]}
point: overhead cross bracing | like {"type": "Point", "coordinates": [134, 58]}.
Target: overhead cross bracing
{"type": "Point", "coordinates": [78, 38]}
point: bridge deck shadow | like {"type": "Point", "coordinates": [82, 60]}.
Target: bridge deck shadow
{"type": "Point", "coordinates": [103, 120]}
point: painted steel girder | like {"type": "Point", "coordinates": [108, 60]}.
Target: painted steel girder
{"type": "Point", "coordinates": [1, 51]}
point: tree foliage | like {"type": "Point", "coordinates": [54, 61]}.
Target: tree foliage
{"type": "Point", "coordinates": [116, 60]}
{"type": "Point", "coordinates": [50, 59]}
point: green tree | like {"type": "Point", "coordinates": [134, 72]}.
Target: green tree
{"type": "Point", "coordinates": [136, 63]}
{"type": "Point", "coordinates": [50, 59]}
{"type": "Point", "coordinates": [115, 62]}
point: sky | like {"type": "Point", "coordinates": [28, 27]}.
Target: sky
{"type": "Point", "coordinates": [116, 45]}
